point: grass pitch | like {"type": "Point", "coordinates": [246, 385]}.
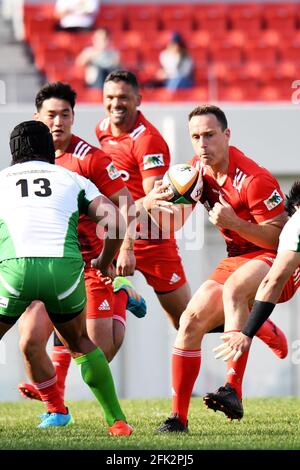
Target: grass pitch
{"type": "Point", "coordinates": [268, 424]}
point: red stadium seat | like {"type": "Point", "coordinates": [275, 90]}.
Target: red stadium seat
{"type": "Point", "coordinates": [226, 53]}
{"type": "Point", "coordinates": [290, 53]}
{"type": "Point", "coordinates": [211, 17]}
{"type": "Point", "coordinates": [143, 17]}
{"type": "Point", "coordinates": [264, 54]}
{"type": "Point", "coordinates": [54, 56]}
{"type": "Point", "coordinates": [281, 16]}
{"type": "Point", "coordinates": [245, 16]}
{"type": "Point", "coordinates": [242, 92]}
{"type": "Point", "coordinates": [130, 59]}
{"type": "Point", "coordinates": [177, 17]}
{"type": "Point", "coordinates": [111, 17]}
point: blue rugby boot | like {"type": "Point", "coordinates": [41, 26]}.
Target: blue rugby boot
{"type": "Point", "coordinates": [136, 303]}
{"type": "Point", "coordinates": [54, 420]}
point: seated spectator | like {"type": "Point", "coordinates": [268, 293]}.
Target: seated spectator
{"type": "Point", "coordinates": [76, 15]}
{"type": "Point", "coordinates": [99, 59]}
{"type": "Point", "coordinates": [176, 64]}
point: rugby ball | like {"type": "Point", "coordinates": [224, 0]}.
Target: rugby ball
{"type": "Point", "coordinates": [184, 183]}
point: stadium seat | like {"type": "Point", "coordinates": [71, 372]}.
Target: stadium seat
{"type": "Point", "coordinates": [130, 59]}
{"type": "Point", "coordinates": [281, 16]}
{"type": "Point", "coordinates": [111, 17]}
{"type": "Point", "coordinates": [273, 93]}
{"type": "Point", "coordinates": [54, 56]}
{"type": "Point", "coordinates": [177, 17]}
{"type": "Point", "coordinates": [261, 53]}
{"type": "Point", "coordinates": [211, 17]}
{"type": "Point", "coordinates": [225, 53]}
{"type": "Point", "coordinates": [290, 53]}
{"type": "Point", "coordinates": [246, 16]}
{"type": "Point", "coordinates": [238, 93]}
{"type": "Point", "coordinates": [143, 17]}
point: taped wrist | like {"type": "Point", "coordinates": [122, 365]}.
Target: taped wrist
{"type": "Point", "coordinates": [260, 312]}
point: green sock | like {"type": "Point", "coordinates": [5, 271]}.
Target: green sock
{"type": "Point", "coordinates": [96, 374]}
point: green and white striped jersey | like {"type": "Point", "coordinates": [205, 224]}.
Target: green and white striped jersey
{"type": "Point", "coordinates": [39, 210]}
{"type": "Point", "coordinates": [290, 236]}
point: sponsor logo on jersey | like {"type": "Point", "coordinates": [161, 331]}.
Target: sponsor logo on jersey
{"type": "Point", "coordinates": [174, 278]}
{"type": "Point", "coordinates": [104, 305]}
{"type": "Point", "coordinates": [153, 160]}
{"type": "Point", "coordinates": [3, 301]}
{"type": "Point", "coordinates": [112, 171]}
{"type": "Point", "coordinates": [273, 201]}
{"type": "Point", "coordinates": [238, 180]}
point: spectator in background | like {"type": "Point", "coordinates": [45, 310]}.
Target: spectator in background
{"type": "Point", "coordinates": [99, 59]}
{"type": "Point", "coordinates": [76, 15]}
{"type": "Point", "coordinates": [176, 64]}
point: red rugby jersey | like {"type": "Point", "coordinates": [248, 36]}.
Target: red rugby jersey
{"type": "Point", "coordinates": [251, 190]}
{"type": "Point", "coordinates": [94, 164]}
{"type": "Point", "coordinates": [140, 153]}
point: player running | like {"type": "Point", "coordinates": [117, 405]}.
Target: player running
{"type": "Point", "coordinates": [106, 311]}
{"type": "Point", "coordinates": [246, 204]}
{"type": "Point", "coordinates": [41, 260]}
{"type": "Point", "coordinates": [142, 156]}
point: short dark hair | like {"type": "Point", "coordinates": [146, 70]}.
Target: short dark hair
{"type": "Point", "coordinates": [210, 109]}
{"type": "Point", "coordinates": [59, 90]}
{"type": "Point", "coordinates": [123, 76]}
{"type": "Point", "coordinates": [31, 140]}
{"type": "Point", "coordinates": [293, 198]}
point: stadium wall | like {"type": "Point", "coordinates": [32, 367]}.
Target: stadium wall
{"type": "Point", "coordinates": [269, 134]}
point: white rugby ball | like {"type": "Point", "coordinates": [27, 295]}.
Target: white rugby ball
{"type": "Point", "coordinates": [185, 183]}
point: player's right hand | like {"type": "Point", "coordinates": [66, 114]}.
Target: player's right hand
{"type": "Point", "coordinates": [233, 346]}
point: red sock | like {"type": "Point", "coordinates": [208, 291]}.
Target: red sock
{"type": "Point", "coordinates": [120, 304]}
{"type": "Point", "coordinates": [235, 371]}
{"type": "Point", "coordinates": [51, 396]}
{"type": "Point", "coordinates": [61, 359]}
{"type": "Point", "coordinates": [185, 370]}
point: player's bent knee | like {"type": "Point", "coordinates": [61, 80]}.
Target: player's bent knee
{"type": "Point", "coordinates": [191, 326]}
{"type": "Point", "coordinates": [30, 346]}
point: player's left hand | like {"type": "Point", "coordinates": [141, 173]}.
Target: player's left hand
{"type": "Point", "coordinates": [233, 346]}
{"type": "Point", "coordinates": [125, 263]}
{"type": "Point", "coordinates": [158, 197]}
{"type": "Point", "coordinates": [222, 214]}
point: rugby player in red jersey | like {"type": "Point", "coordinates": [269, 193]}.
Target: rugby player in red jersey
{"type": "Point", "coordinates": [246, 204]}
{"type": "Point", "coordinates": [106, 311]}
{"type": "Point", "coordinates": [142, 156]}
